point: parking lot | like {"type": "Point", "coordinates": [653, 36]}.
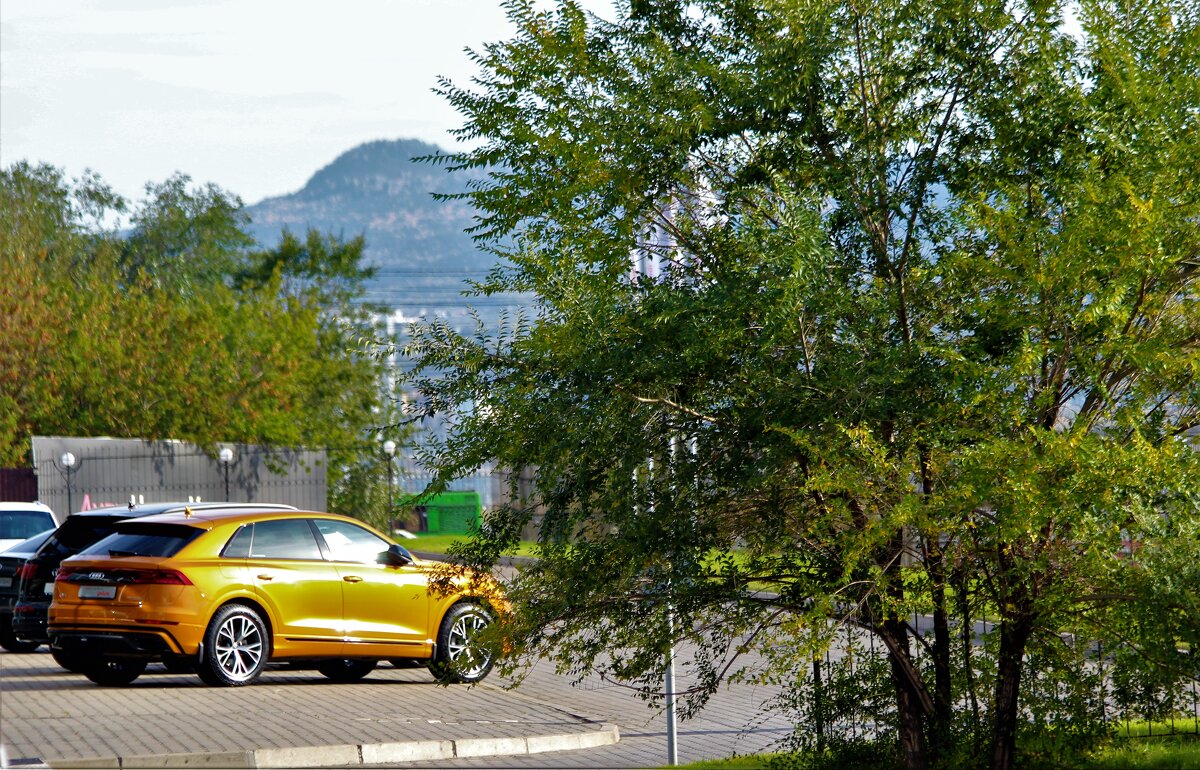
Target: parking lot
{"type": "Point", "coordinates": [48, 715]}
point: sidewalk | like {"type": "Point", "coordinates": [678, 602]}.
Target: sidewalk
{"type": "Point", "coordinates": [289, 718]}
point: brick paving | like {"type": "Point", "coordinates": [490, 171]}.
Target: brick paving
{"type": "Point", "coordinates": [47, 713]}
{"type": "Point", "coordinates": [734, 723]}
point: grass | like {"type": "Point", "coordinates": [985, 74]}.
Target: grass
{"type": "Point", "coordinates": [1141, 729]}
{"type": "Point", "coordinates": [1176, 752]}
{"type": "Point", "coordinates": [441, 544]}
{"type": "Point", "coordinates": [751, 762]}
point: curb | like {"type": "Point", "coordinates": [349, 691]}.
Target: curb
{"type": "Point", "coordinates": [350, 754]}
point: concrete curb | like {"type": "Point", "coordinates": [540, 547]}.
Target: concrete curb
{"type": "Point", "coordinates": [350, 754]}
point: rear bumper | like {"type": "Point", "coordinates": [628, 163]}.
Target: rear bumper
{"type": "Point", "coordinates": [124, 642]}
{"type": "Point", "coordinates": [29, 622]}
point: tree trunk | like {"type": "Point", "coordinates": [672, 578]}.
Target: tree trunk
{"type": "Point", "coordinates": [935, 567]}
{"type": "Point", "coordinates": [942, 688]}
{"type": "Point", "coordinates": [909, 708]}
{"type": "Point", "coordinates": [1014, 634]}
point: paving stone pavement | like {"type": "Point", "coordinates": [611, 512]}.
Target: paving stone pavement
{"type": "Point", "coordinates": [47, 713]}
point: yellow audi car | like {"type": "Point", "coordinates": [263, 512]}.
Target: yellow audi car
{"type": "Point", "coordinates": [222, 592]}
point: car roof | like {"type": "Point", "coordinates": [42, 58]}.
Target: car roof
{"type": "Point", "coordinates": [26, 507]}
{"type": "Point", "coordinates": [207, 518]}
{"type": "Point", "coordinates": [152, 509]}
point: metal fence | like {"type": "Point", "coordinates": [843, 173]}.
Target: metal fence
{"type": "Point", "coordinates": [1146, 710]}
{"type": "Point", "coordinates": [78, 474]}
{"type": "Point", "coordinates": [412, 478]}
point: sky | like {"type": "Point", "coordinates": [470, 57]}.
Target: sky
{"type": "Point", "coordinates": [252, 95]}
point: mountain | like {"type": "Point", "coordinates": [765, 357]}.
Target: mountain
{"type": "Point", "coordinates": [418, 244]}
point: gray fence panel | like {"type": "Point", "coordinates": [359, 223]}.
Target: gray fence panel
{"type": "Point", "coordinates": [110, 471]}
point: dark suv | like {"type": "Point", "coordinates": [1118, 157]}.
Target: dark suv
{"type": "Point", "coordinates": [11, 561]}
{"type": "Point", "coordinates": [76, 533]}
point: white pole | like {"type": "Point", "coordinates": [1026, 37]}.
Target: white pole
{"type": "Point", "coordinates": [669, 685]}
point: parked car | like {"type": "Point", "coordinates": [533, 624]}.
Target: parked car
{"type": "Point", "coordinates": [230, 590]}
{"type": "Point", "coordinates": [21, 521]}
{"type": "Point", "coordinates": [11, 561]}
{"type": "Point", "coordinates": [76, 533]}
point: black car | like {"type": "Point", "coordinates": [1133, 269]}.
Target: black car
{"type": "Point", "coordinates": [11, 561]}
{"type": "Point", "coordinates": [76, 533]}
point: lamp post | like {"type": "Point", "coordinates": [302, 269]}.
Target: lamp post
{"type": "Point", "coordinates": [226, 457]}
{"type": "Point", "coordinates": [389, 449]}
{"type": "Point", "coordinates": [68, 467]}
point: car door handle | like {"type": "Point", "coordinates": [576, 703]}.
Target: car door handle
{"type": "Point", "coordinates": [352, 579]}
{"type": "Point", "coordinates": [266, 577]}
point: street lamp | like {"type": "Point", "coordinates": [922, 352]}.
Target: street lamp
{"type": "Point", "coordinates": [226, 457]}
{"type": "Point", "coordinates": [68, 461]}
{"type": "Point", "coordinates": [389, 449]}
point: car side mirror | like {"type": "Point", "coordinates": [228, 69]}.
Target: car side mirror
{"type": "Point", "coordinates": [398, 555]}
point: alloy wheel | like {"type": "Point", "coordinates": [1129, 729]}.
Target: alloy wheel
{"type": "Point", "coordinates": [464, 655]}
{"type": "Point", "coordinates": [238, 648]}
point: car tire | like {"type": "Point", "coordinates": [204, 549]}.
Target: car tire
{"type": "Point", "coordinates": [236, 647]}
{"type": "Point", "coordinates": [346, 669]}
{"type": "Point", "coordinates": [115, 672]}
{"type": "Point", "coordinates": [71, 661]}
{"type": "Point", "coordinates": [457, 659]}
{"type": "Point", "coordinates": [10, 642]}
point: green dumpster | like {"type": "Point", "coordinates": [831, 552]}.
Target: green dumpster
{"type": "Point", "coordinates": [449, 513]}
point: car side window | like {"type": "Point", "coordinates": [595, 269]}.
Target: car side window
{"type": "Point", "coordinates": [238, 546]}
{"type": "Point", "coordinates": [284, 539]}
{"type": "Point", "coordinates": [349, 542]}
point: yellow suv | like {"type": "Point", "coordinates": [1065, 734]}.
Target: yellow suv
{"type": "Point", "coordinates": [223, 592]}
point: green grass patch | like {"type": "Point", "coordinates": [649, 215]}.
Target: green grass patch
{"type": "Point", "coordinates": [752, 762]}
{"type": "Point", "coordinates": [431, 543]}
{"type": "Point", "coordinates": [1176, 752]}
{"type": "Point", "coordinates": [1141, 729]}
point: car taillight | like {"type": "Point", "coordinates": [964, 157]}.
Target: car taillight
{"type": "Point", "coordinates": [166, 577]}
{"type": "Point", "coordinates": [27, 571]}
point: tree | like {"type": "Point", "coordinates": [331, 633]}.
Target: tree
{"type": "Point", "coordinates": [915, 330]}
{"type": "Point", "coordinates": [180, 331]}
{"type": "Point", "coordinates": [186, 239]}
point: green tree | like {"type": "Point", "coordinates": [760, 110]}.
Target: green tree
{"type": "Point", "coordinates": [180, 330]}
{"type": "Point", "coordinates": [186, 239]}
{"type": "Point", "coordinates": [919, 335]}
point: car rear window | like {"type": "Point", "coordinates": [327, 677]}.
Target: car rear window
{"type": "Point", "coordinates": [78, 532]}
{"type": "Point", "coordinates": [140, 539]}
{"type": "Point", "coordinates": [19, 525]}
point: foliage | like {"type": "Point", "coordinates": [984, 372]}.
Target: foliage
{"type": "Point", "coordinates": [179, 330]}
{"type": "Point", "coordinates": [185, 239]}
{"type": "Point", "coordinates": [863, 289]}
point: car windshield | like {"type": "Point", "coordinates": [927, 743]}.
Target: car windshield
{"type": "Point", "coordinates": [143, 540]}
{"type": "Point", "coordinates": [19, 525]}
